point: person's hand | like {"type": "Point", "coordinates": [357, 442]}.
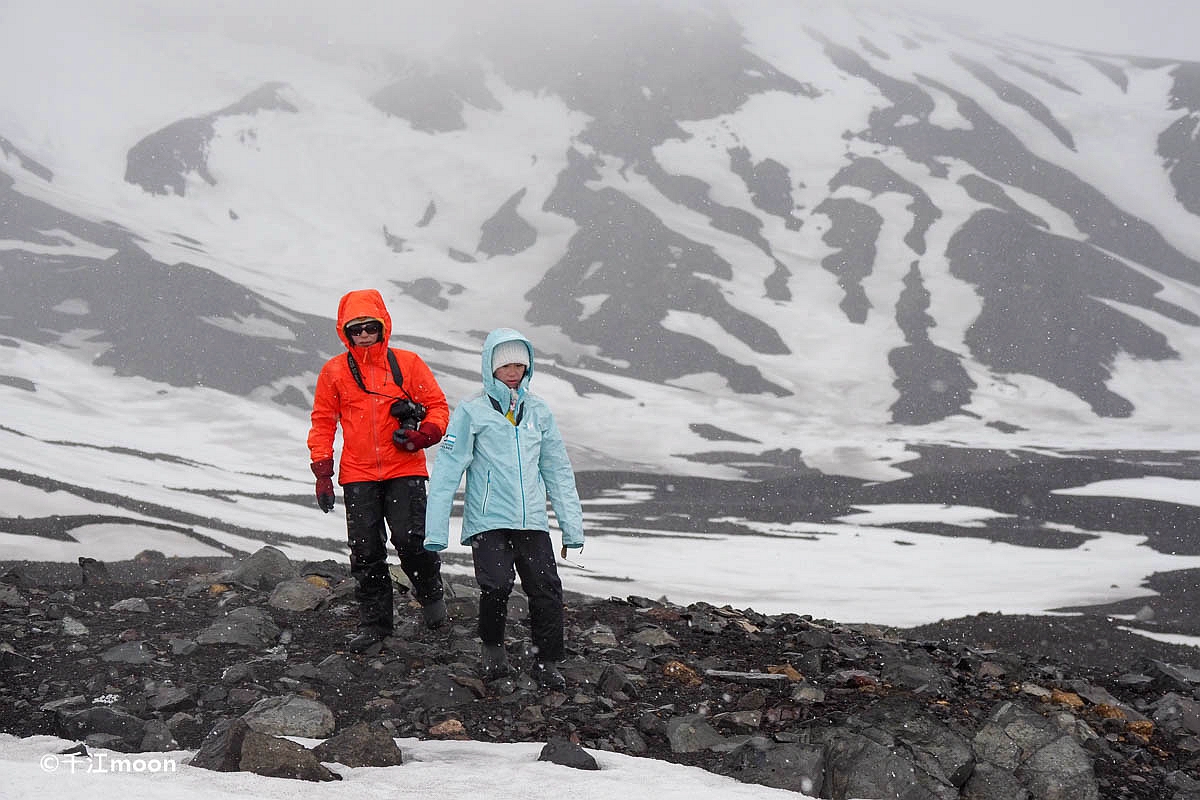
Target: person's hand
{"type": "Point", "coordinates": [323, 469]}
{"type": "Point", "coordinates": [572, 539]}
{"type": "Point", "coordinates": [426, 435]}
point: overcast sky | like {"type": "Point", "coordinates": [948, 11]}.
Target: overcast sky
{"type": "Point", "coordinates": [1162, 28]}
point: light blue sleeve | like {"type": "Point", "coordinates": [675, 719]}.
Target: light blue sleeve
{"type": "Point", "coordinates": [555, 467]}
{"type": "Point", "coordinates": [453, 456]}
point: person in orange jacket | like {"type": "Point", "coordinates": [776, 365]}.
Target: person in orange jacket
{"type": "Point", "coordinates": [390, 408]}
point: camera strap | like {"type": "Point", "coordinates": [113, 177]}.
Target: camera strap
{"type": "Point", "coordinates": [392, 363]}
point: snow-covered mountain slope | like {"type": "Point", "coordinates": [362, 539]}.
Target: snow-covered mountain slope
{"type": "Point", "coordinates": [748, 239]}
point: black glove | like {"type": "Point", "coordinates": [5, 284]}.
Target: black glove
{"type": "Point", "coordinates": [323, 469]}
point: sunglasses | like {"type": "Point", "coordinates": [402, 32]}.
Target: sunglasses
{"type": "Point", "coordinates": [374, 328]}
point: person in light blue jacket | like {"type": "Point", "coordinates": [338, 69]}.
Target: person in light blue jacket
{"type": "Point", "coordinates": [506, 441]}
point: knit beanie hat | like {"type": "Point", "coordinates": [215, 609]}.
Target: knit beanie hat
{"type": "Point", "coordinates": [513, 351]}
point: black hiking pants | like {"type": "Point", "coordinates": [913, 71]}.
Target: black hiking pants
{"type": "Point", "coordinates": [496, 554]}
{"type": "Point", "coordinates": [400, 503]}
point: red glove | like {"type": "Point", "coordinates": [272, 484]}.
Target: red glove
{"type": "Point", "coordinates": [426, 435]}
{"type": "Point", "coordinates": [323, 469]}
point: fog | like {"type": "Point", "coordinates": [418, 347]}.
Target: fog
{"type": "Point", "coordinates": [1156, 28]}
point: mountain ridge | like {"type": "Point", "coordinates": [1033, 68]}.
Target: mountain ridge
{"type": "Point", "coordinates": [644, 270]}
{"type": "Point", "coordinates": [750, 242]}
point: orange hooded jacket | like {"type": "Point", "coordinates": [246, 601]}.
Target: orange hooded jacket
{"type": "Point", "coordinates": [368, 453]}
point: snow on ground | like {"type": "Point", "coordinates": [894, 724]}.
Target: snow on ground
{"type": "Point", "coordinates": [448, 770]}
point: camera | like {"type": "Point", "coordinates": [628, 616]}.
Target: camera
{"type": "Point", "coordinates": [409, 413]}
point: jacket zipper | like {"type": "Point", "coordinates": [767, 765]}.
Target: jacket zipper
{"type": "Point", "coordinates": [375, 425]}
{"type": "Point", "coordinates": [520, 475]}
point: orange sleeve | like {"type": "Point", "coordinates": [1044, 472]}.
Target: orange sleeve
{"type": "Point", "coordinates": [325, 414]}
{"type": "Point", "coordinates": [426, 391]}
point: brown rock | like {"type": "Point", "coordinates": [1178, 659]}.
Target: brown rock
{"type": "Point", "coordinates": [450, 729]}
{"type": "Point", "coordinates": [274, 757]}
{"type": "Point", "coordinates": [367, 744]}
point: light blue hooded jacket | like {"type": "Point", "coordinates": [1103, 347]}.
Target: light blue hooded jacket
{"type": "Point", "coordinates": [510, 469]}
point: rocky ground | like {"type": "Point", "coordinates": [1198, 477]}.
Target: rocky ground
{"type": "Point", "coordinates": [180, 645]}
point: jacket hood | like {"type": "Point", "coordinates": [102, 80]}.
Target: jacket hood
{"type": "Point", "coordinates": [494, 388]}
{"type": "Point", "coordinates": [363, 303]}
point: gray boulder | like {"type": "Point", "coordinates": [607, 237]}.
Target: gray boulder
{"type": "Point", "coordinates": [614, 681]}
{"type": "Point", "coordinates": [170, 698]}
{"type": "Point", "coordinates": [795, 767]}
{"type": "Point", "coordinates": [11, 598]}
{"type": "Point", "coordinates": [298, 594]}
{"type": "Point", "coordinates": [1047, 762]}
{"type": "Point", "coordinates": [691, 734]}
{"type": "Point", "coordinates": [126, 729]}
{"type": "Point", "coordinates": [263, 569]}
{"type": "Point", "coordinates": [233, 746]}
{"type": "Point", "coordinates": [247, 626]}
{"type": "Point", "coordinates": [1177, 714]}
{"type": "Point", "coordinates": [872, 763]}
{"type": "Point", "coordinates": [1062, 770]}
{"type": "Point", "coordinates": [135, 605]}
{"type": "Point", "coordinates": [568, 754]}
{"type": "Point", "coordinates": [367, 744]}
{"type": "Point", "coordinates": [157, 737]}
{"type": "Point", "coordinates": [990, 782]}
{"type": "Point", "coordinates": [221, 749]}
{"type": "Point", "coordinates": [290, 715]}
{"type": "Point", "coordinates": [938, 753]}
{"type": "Point", "coordinates": [336, 670]}
{"type": "Point", "coordinates": [128, 653]}
{"type": "Point", "coordinates": [438, 690]}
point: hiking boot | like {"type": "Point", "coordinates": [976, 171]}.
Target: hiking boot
{"type": "Point", "coordinates": [493, 662]}
{"type": "Point", "coordinates": [366, 639]}
{"type": "Point", "coordinates": [435, 614]}
{"type": "Point", "coordinates": [548, 677]}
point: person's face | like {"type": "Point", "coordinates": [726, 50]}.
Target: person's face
{"type": "Point", "coordinates": [364, 332]}
{"type": "Point", "coordinates": [510, 374]}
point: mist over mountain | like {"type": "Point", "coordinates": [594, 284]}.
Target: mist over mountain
{"type": "Point", "coordinates": [748, 239]}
